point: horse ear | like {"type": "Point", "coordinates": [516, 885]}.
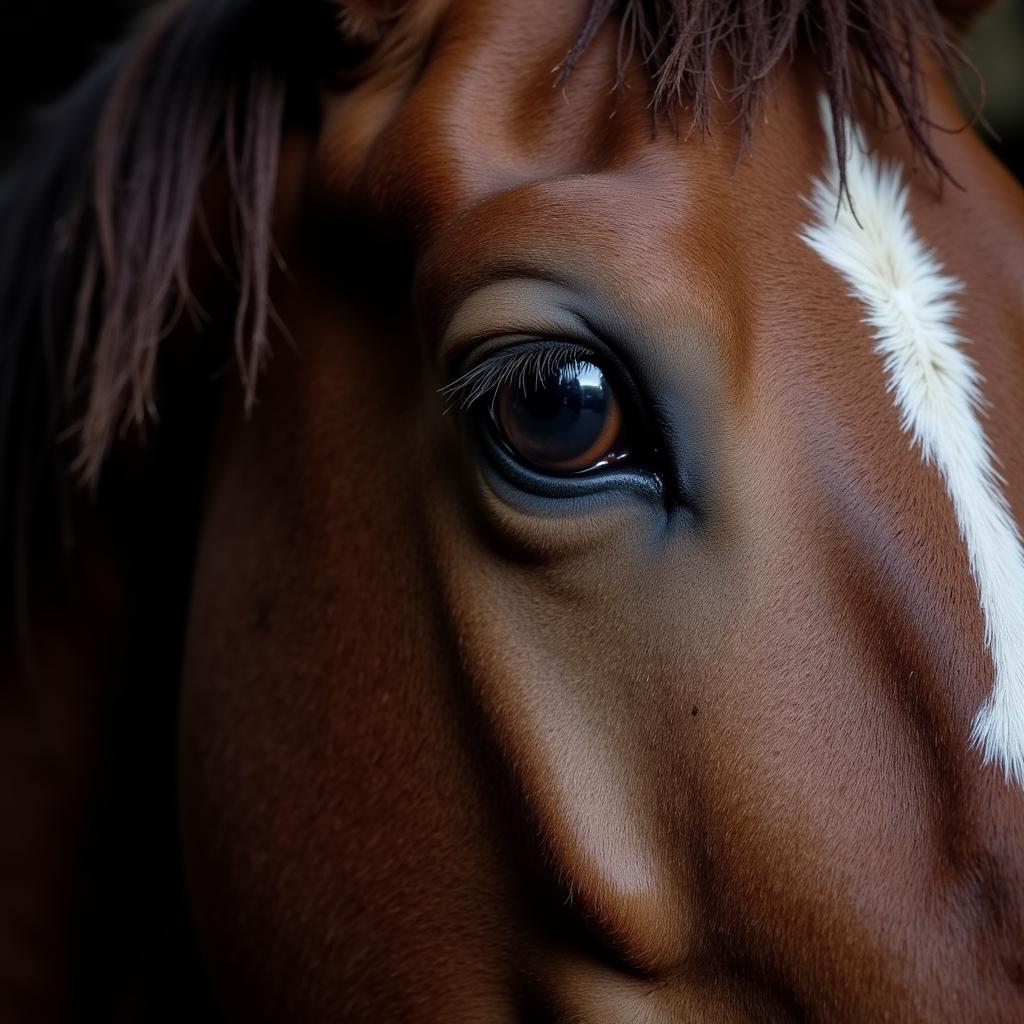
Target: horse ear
{"type": "Point", "coordinates": [963, 13]}
{"type": "Point", "coordinates": [365, 22]}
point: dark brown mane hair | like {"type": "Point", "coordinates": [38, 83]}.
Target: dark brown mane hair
{"type": "Point", "coordinates": [101, 213]}
{"type": "Point", "coordinates": [864, 49]}
{"type": "Point", "coordinates": [99, 218]}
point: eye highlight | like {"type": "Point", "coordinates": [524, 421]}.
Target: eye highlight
{"type": "Point", "coordinates": [551, 405]}
{"type": "Point", "coordinates": [566, 421]}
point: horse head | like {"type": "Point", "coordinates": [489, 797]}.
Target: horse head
{"type": "Point", "coordinates": [599, 595]}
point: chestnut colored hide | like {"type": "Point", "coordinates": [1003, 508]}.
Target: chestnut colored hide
{"type": "Point", "coordinates": [555, 618]}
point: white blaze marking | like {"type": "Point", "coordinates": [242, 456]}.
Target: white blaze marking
{"type": "Point", "coordinates": [937, 389]}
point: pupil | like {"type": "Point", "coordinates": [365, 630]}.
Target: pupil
{"type": "Point", "coordinates": [568, 421]}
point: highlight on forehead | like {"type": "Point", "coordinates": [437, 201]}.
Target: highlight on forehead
{"type": "Point", "coordinates": [863, 49]}
{"type": "Point", "coordinates": [867, 235]}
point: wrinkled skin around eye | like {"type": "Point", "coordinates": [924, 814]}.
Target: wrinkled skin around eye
{"type": "Point", "coordinates": [568, 421]}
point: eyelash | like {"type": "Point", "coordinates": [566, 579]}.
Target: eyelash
{"type": "Point", "coordinates": [522, 363]}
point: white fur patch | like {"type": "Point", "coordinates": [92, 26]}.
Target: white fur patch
{"type": "Point", "coordinates": [937, 389]}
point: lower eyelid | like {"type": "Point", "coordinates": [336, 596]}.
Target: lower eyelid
{"type": "Point", "coordinates": [509, 476]}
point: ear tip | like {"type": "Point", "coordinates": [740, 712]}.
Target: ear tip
{"type": "Point", "coordinates": [365, 21]}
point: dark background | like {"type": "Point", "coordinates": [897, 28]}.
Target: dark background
{"type": "Point", "coordinates": [997, 49]}
{"type": "Point", "coordinates": [45, 45]}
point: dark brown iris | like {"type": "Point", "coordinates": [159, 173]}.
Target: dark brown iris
{"type": "Point", "coordinates": [568, 421]}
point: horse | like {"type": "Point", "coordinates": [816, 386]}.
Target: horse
{"type": "Point", "coordinates": [510, 512]}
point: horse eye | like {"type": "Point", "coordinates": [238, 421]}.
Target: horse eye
{"type": "Point", "coordinates": [564, 421]}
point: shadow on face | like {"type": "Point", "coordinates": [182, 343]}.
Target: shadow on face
{"type": "Point", "coordinates": [639, 682]}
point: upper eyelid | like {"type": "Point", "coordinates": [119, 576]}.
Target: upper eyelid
{"type": "Point", "coordinates": [515, 307]}
{"type": "Point", "coordinates": [499, 366]}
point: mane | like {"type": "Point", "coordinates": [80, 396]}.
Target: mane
{"type": "Point", "coordinates": [864, 49]}
{"type": "Point", "coordinates": [100, 218]}
{"type": "Point", "coordinates": [101, 215]}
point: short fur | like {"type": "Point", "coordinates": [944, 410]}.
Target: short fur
{"type": "Point", "coordinates": [98, 220]}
